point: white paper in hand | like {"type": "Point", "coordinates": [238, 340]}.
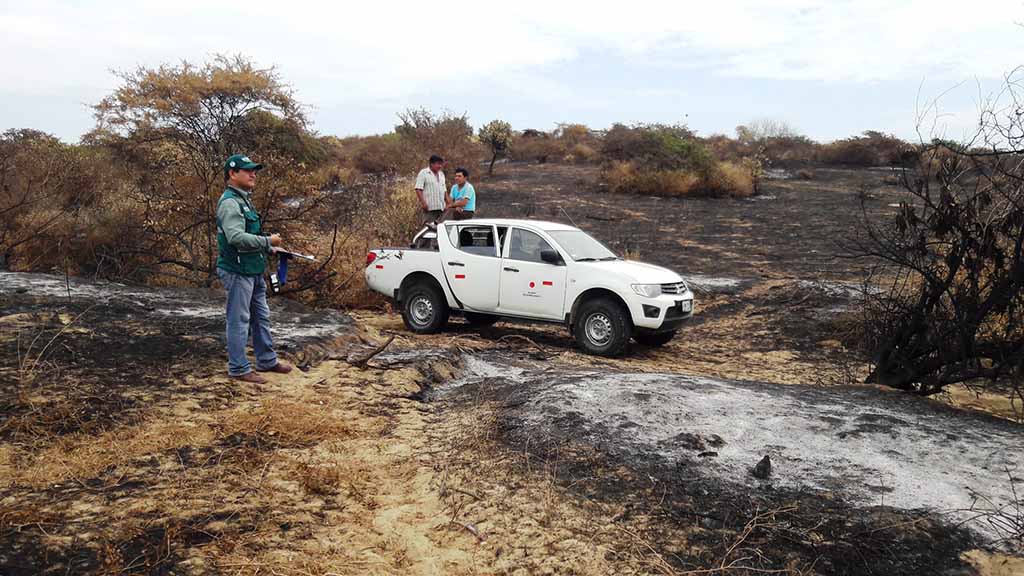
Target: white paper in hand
{"type": "Point", "coordinates": [278, 250]}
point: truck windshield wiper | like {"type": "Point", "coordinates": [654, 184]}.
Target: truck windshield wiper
{"type": "Point", "coordinates": [587, 259]}
{"type": "Point", "coordinates": [606, 258]}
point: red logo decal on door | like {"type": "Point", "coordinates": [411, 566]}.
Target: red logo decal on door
{"type": "Point", "coordinates": [533, 285]}
{"type": "Point", "coordinates": [460, 276]}
{"type": "Point", "coordinates": [547, 283]}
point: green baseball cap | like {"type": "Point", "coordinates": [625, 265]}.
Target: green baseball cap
{"type": "Point", "coordinates": [241, 162]}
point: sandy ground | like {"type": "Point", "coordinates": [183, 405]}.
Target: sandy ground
{"type": "Point", "coordinates": [339, 469]}
{"type": "Point", "coordinates": [125, 450]}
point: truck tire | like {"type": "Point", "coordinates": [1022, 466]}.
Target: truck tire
{"type": "Point", "coordinates": [480, 320]}
{"type": "Point", "coordinates": [603, 327]}
{"type": "Point", "coordinates": [654, 338]}
{"type": "Point", "coordinates": [424, 309]}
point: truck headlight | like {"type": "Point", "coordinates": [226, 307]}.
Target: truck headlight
{"type": "Point", "coordinates": [647, 290]}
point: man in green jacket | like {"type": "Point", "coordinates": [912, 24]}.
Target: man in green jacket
{"type": "Point", "coordinates": [242, 258]}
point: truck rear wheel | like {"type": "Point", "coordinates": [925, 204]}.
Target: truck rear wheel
{"type": "Point", "coordinates": [602, 327]}
{"type": "Point", "coordinates": [424, 309]}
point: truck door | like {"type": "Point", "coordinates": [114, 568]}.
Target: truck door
{"type": "Point", "coordinates": [472, 265]}
{"type": "Point", "coordinates": [529, 285]}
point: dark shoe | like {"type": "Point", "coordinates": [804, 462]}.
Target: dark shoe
{"type": "Point", "coordinates": [280, 368]}
{"type": "Point", "coordinates": [250, 377]}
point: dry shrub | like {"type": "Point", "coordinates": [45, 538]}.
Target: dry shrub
{"type": "Point", "coordinates": [625, 178]}
{"type": "Point", "coordinates": [378, 212]}
{"type": "Point", "coordinates": [49, 190]}
{"type": "Point", "coordinates": [782, 149]}
{"type": "Point", "coordinates": [446, 134]}
{"type": "Point", "coordinates": [284, 424]}
{"type": "Point", "coordinates": [805, 174]}
{"type": "Point", "coordinates": [536, 146]}
{"type": "Point", "coordinates": [655, 147]}
{"type": "Point", "coordinates": [872, 148]}
{"type": "Point", "coordinates": [789, 151]}
{"type": "Point", "coordinates": [850, 152]}
{"type": "Point", "coordinates": [724, 179]}
{"type": "Point", "coordinates": [729, 179]}
{"type": "Point", "coordinates": [383, 154]}
{"type": "Point", "coordinates": [723, 147]}
{"type": "Point", "coordinates": [663, 160]}
{"type": "Point", "coordinates": [581, 154]}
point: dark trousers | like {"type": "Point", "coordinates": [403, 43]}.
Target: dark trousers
{"type": "Point", "coordinates": [430, 215]}
{"type": "Point", "coordinates": [453, 214]}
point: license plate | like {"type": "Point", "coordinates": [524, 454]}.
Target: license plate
{"type": "Point", "coordinates": [685, 305]}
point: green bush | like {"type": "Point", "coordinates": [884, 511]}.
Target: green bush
{"type": "Point", "coordinates": [656, 147]}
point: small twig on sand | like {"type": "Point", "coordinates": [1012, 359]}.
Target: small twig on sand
{"type": "Point", "coordinates": [467, 493]}
{"type": "Point", "coordinates": [525, 339]}
{"type": "Point", "coordinates": [360, 362]}
{"type": "Point", "coordinates": [480, 537]}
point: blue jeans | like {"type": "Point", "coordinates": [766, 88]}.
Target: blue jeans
{"type": "Point", "coordinates": [248, 313]}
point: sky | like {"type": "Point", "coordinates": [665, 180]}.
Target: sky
{"type": "Point", "coordinates": [829, 69]}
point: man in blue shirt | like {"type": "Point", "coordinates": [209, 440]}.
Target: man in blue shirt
{"type": "Point", "coordinates": [460, 203]}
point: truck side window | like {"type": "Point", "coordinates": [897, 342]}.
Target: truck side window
{"type": "Point", "coordinates": [477, 240]}
{"type": "Point", "coordinates": [525, 245]}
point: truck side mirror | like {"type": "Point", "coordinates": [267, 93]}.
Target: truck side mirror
{"type": "Point", "coordinates": [551, 257]}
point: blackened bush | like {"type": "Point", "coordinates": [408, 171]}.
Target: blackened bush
{"type": "Point", "coordinates": [953, 264]}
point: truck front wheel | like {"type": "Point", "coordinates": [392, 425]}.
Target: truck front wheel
{"type": "Point", "coordinates": [602, 327]}
{"type": "Point", "coordinates": [424, 309]}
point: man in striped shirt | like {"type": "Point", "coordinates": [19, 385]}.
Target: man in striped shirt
{"type": "Point", "coordinates": [430, 189]}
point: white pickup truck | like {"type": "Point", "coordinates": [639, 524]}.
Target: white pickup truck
{"type": "Point", "coordinates": [490, 269]}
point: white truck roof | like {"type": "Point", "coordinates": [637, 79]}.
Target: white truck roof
{"type": "Point", "coordinates": [540, 224]}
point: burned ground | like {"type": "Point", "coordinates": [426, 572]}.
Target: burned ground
{"type": "Point", "coordinates": [818, 513]}
{"type": "Point", "coordinates": [125, 450]}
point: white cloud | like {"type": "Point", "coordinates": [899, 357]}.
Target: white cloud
{"type": "Point", "coordinates": [361, 52]}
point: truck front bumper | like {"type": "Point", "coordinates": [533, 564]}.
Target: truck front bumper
{"type": "Point", "coordinates": [666, 313]}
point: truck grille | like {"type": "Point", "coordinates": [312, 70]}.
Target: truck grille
{"type": "Point", "coordinates": [677, 288]}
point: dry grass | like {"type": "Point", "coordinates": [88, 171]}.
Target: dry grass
{"type": "Point", "coordinates": [731, 179]}
{"type": "Point", "coordinates": [284, 424]}
{"type": "Point", "coordinates": [724, 179]}
{"type": "Point", "coordinates": [81, 456]}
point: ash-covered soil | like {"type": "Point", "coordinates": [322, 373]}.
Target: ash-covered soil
{"type": "Point", "coordinates": [863, 445]}
{"type": "Point", "coordinates": [124, 449]}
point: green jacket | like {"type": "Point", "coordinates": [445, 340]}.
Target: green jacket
{"type": "Point", "coordinates": [241, 247]}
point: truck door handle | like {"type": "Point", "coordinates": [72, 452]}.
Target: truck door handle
{"type": "Point", "coordinates": [507, 269]}
{"type": "Point", "coordinates": [456, 264]}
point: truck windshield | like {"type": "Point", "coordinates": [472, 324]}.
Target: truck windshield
{"type": "Point", "coordinates": [582, 246]}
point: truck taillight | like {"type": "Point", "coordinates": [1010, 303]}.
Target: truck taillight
{"type": "Point", "coordinates": [370, 257]}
